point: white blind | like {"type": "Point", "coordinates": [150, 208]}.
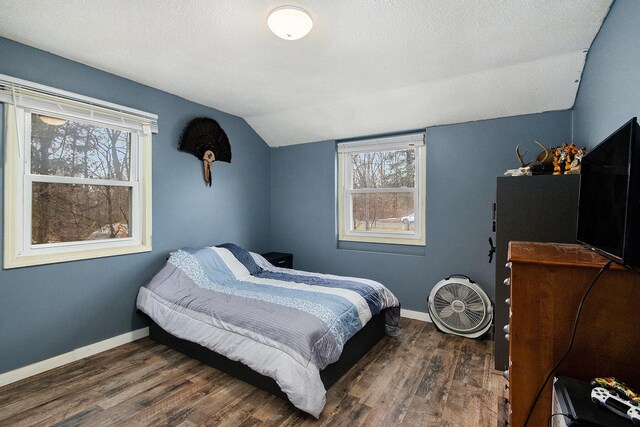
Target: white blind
{"type": "Point", "coordinates": [46, 99]}
{"type": "Point", "coordinates": [389, 143]}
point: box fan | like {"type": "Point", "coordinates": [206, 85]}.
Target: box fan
{"type": "Point", "coordinates": [457, 305]}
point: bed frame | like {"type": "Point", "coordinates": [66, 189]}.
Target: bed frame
{"type": "Point", "coordinates": [353, 351]}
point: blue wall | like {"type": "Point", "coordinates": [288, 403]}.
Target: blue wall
{"type": "Point", "coordinates": [609, 93]}
{"type": "Point", "coordinates": [463, 162]}
{"type": "Point", "coordinates": [49, 310]}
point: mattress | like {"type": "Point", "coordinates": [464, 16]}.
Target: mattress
{"type": "Point", "coordinates": [283, 323]}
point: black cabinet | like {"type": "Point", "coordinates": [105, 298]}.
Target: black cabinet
{"type": "Point", "coordinates": [540, 208]}
{"type": "Point", "coordinates": [279, 259]}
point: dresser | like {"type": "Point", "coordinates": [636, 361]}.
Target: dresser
{"type": "Point", "coordinates": [547, 281]}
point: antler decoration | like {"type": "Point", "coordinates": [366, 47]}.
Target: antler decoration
{"type": "Point", "coordinates": [521, 157]}
{"type": "Point", "coordinates": [547, 153]}
{"type": "Point", "coordinates": [537, 160]}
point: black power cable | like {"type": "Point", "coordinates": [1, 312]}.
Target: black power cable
{"type": "Point", "coordinates": [628, 267]}
{"type": "Point", "coordinates": [573, 337]}
{"type": "Point", "coordinates": [555, 415]}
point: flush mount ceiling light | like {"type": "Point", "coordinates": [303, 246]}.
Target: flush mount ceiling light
{"type": "Point", "coordinates": [289, 22]}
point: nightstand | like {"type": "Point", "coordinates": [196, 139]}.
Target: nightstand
{"type": "Point", "coordinates": [279, 259]}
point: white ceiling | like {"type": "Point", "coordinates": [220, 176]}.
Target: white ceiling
{"type": "Point", "coordinates": [367, 67]}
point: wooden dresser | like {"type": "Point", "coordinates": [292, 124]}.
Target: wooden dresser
{"type": "Point", "coordinates": [547, 282]}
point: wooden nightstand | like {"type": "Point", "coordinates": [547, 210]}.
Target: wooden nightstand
{"type": "Point", "coordinates": [279, 259]}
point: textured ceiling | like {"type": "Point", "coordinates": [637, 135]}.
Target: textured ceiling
{"type": "Point", "coordinates": [367, 67]}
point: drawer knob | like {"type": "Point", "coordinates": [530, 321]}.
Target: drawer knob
{"type": "Point", "coordinates": [506, 329]}
{"type": "Point", "coordinates": [507, 336]}
{"type": "Point", "coordinates": [507, 301]}
{"type": "Point", "coordinates": [508, 265]}
{"type": "Point", "coordinates": [506, 374]}
{"type": "Point", "coordinates": [507, 281]}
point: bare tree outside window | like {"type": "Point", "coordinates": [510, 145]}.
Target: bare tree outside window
{"type": "Point", "coordinates": [379, 208]}
{"type": "Point", "coordinates": [68, 212]}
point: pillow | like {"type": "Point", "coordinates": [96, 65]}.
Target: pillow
{"type": "Point", "coordinates": [244, 257]}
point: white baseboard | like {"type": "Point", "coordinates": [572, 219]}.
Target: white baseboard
{"type": "Point", "coordinates": [72, 356]}
{"type": "Point", "coordinates": [417, 315]}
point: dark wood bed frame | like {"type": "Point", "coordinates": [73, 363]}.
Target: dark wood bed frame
{"type": "Point", "coordinates": [353, 351]}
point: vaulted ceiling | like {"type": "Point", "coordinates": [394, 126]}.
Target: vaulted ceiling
{"type": "Point", "coordinates": [367, 66]}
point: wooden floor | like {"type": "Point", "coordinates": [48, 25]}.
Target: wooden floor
{"type": "Point", "coordinates": [422, 378]}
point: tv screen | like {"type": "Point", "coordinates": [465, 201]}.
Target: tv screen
{"type": "Point", "coordinates": [609, 196]}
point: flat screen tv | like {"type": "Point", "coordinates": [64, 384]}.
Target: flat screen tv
{"type": "Point", "coordinates": [609, 201]}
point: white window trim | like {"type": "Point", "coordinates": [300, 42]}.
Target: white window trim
{"type": "Point", "coordinates": [416, 238]}
{"type": "Point", "coordinates": [18, 251]}
{"type": "Point", "coordinates": [72, 105]}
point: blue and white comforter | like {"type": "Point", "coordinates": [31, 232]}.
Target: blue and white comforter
{"type": "Point", "coordinates": [283, 323]}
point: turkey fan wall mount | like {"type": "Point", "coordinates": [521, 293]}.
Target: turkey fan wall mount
{"type": "Point", "coordinates": [204, 138]}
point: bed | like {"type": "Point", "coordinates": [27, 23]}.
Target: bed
{"type": "Point", "coordinates": [290, 332]}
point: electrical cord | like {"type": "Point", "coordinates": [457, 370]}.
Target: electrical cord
{"type": "Point", "coordinates": [555, 415]}
{"type": "Point", "coordinates": [628, 267]}
{"type": "Point", "coordinates": [573, 337]}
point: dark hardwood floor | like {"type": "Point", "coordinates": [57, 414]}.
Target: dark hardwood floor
{"type": "Point", "coordinates": [422, 378]}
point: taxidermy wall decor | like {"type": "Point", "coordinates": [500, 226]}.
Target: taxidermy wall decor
{"type": "Point", "coordinates": [204, 138]}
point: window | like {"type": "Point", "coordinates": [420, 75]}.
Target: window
{"type": "Point", "coordinates": [77, 180]}
{"type": "Point", "coordinates": [381, 186]}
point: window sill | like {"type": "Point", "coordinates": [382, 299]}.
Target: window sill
{"type": "Point", "coordinates": [386, 248]}
{"type": "Point", "coordinates": [33, 260]}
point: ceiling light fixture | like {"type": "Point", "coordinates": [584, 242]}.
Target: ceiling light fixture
{"type": "Point", "coordinates": [289, 22]}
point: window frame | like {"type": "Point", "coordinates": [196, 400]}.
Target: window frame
{"type": "Point", "coordinates": [346, 190]}
{"type": "Point", "coordinates": [19, 251]}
